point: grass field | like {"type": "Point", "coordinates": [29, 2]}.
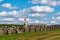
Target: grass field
{"type": "Point", "coordinates": [41, 35]}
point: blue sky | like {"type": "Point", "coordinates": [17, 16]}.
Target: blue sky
{"type": "Point", "coordinates": [35, 11]}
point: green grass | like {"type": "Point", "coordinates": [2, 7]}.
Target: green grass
{"type": "Point", "coordinates": [45, 35]}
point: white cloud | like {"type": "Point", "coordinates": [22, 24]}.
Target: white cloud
{"type": "Point", "coordinates": [11, 13]}
{"type": "Point", "coordinates": [42, 8]}
{"type": "Point", "coordinates": [43, 1]}
{"type": "Point", "coordinates": [1, 0]}
{"type": "Point", "coordinates": [58, 13]}
{"type": "Point", "coordinates": [47, 2]}
{"type": "Point", "coordinates": [53, 17]}
{"type": "Point", "coordinates": [3, 13]}
{"type": "Point", "coordinates": [15, 13]}
{"type": "Point", "coordinates": [53, 21]}
{"type": "Point", "coordinates": [53, 3]}
{"type": "Point", "coordinates": [34, 15]}
{"type": "Point", "coordinates": [8, 19]}
{"type": "Point", "coordinates": [9, 6]}
{"type": "Point", "coordinates": [37, 9]}
{"type": "Point", "coordinates": [36, 21]}
{"type": "Point", "coordinates": [11, 22]}
{"type": "Point", "coordinates": [58, 17]}
{"type": "Point", "coordinates": [28, 19]}
{"type": "Point", "coordinates": [22, 19]}
{"type": "Point", "coordinates": [33, 11]}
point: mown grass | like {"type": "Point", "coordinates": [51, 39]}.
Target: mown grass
{"type": "Point", "coordinates": [29, 35]}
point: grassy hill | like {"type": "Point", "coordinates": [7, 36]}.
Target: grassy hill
{"type": "Point", "coordinates": [41, 35]}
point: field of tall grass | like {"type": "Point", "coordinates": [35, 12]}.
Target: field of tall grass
{"type": "Point", "coordinates": [40, 35]}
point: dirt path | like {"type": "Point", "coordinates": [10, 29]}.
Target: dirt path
{"type": "Point", "coordinates": [49, 36]}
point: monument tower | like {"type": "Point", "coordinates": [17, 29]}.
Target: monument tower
{"type": "Point", "coordinates": [25, 25]}
{"type": "Point", "coordinates": [25, 21]}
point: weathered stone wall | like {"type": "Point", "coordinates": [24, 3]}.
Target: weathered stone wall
{"type": "Point", "coordinates": [33, 28]}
